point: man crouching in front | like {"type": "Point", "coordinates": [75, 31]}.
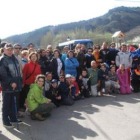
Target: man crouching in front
{"type": "Point", "coordinates": [39, 106]}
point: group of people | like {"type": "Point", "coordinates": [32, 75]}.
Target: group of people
{"type": "Point", "coordinates": [43, 79]}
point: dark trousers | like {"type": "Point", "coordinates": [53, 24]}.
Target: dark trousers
{"type": "Point", "coordinates": [136, 85]}
{"type": "Point", "coordinates": [85, 93]}
{"type": "Point", "coordinates": [68, 101]}
{"type": "Point", "coordinates": [23, 95]}
{"type": "Point", "coordinates": [43, 109]}
{"type": "Point", "coordinates": [8, 107]}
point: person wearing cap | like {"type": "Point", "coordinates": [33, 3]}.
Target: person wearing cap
{"type": "Point", "coordinates": [53, 93]}
{"type": "Point", "coordinates": [11, 82]}
{"type": "Point", "coordinates": [135, 78]}
{"type": "Point", "coordinates": [64, 90]}
{"type": "Point", "coordinates": [71, 63]}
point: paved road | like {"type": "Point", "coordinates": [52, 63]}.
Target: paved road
{"type": "Point", "coordinates": [113, 117]}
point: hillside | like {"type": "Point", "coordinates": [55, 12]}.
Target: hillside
{"type": "Point", "coordinates": [120, 18]}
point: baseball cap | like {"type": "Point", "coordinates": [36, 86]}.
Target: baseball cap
{"type": "Point", "coordinates": [68, 76]}
{"type": "Point", "coordinates": [8, 46]}
{"type": "Point", "coordinates": [54, 81]}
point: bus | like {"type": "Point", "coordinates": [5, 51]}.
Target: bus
{"type": "Point", "coordinates": [72, 43]}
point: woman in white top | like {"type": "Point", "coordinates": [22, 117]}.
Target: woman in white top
{"type": "Point", "coordinates": [57, 65]}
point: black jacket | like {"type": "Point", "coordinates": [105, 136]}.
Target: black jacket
{"type": "Point", "coordinates": [10, 73]}
{"type": "Point", "coordinates": [54, 66]}
{"type": "Point", "coordinates": [64, 90]}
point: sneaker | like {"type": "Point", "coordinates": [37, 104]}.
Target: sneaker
{"type": "Point", "coordinates": [8, 125]}
{"type": "Point", "coordinates": [103, 90]}
{"type": "Point", "coordinates": [14, 122]}
{"type": "Point", "coordinates": [39, 117]}
{"type": "Point", "coordinates": [99, 94]}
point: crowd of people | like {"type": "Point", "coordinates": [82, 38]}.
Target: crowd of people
{"type": "Point", "coordinates": [43, 79]}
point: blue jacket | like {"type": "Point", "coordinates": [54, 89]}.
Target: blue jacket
{"type": "Point", "coordinates": [135, 59]}
{"type": "Point", "coordinates": [70, 66]}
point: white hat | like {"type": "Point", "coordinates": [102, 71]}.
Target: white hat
{"type": "Point", "coordinates": [68, 76]}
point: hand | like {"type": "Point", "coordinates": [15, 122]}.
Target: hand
{"type": "Point", "coordinates": [58, 98]}
{"type": "Point", "coordinates": [48, 101]}
{"type": "Point", "coordinates": [76, 94]}
{"type": "Point", "coordinates": [13, 85]}
{"type": "Point", "coordinates": [99, 60]}
{"type": "Point", "coordinates": [80, 77]}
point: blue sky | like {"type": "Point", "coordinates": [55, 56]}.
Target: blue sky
{"type": "Point", "coordinates": [20, 16]}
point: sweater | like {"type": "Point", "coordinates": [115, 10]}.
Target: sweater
{"type": "Point", "coordinates": [28, 69]}
{"type": "Point", "coordinates": [93, 76]}
{"type": "Point", "coordinates": [70, 66]}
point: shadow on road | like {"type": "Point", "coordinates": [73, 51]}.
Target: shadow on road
{"type": "Point", "coordinates": [62, 125]}
{"type": "Point", "coordinates": [2, 137]}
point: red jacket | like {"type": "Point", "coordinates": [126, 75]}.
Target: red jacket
{"type": "Point", "coordinates": [76, 86]}
{"type": "Point", "coordinates": [28, 69]}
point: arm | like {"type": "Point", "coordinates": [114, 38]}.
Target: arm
{"type": "Point", "coordinates": [120, 78]}
{"type": "Point", "coordinates": [117, 60]}
{"type": "Point", "coordinates": [69, 64]}
{"type": "Point", "coordinates": [25, 72]}
{"type": "Point", "coordinates": [39, 97]}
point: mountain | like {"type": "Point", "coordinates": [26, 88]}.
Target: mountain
{"type": "Point", "coordinates": [120, 18]}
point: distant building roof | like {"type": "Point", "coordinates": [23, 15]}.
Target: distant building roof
{"type": "Point", "coordinates": [118, 34]}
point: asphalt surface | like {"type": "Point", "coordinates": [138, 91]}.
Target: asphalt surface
{"type": "Point", "coordinates": [112, 117]}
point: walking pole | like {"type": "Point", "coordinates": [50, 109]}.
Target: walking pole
{"type": "Point", "coordinates": [16, 113]}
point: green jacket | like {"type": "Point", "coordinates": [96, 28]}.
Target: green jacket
{"type": "Point", "coordinates": [35, 97]}
{"type": "Point", "coordinates": [93, 76]}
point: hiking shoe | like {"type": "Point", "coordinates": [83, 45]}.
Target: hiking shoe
{"type": "Point", "coordinates": [39, 117]}
{"type": "Point", "coordinates": [33, 116]}
{"type": "Point", "coordinates": [14, 122]}
{"type": "Point", "coordinates": [8, 125]}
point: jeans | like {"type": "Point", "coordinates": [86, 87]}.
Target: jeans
{"type": "Point", "coordinates": [8, 107]}
{"type": "Point", "coordinates": [94, 90]}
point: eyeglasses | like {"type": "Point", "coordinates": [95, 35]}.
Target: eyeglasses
{"type": "Point", "coordinates": [61, 77]}
{"type": "Point", "coordinates": [89, 51]}
{"type": "Point", "coordinates": [17, 48]}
